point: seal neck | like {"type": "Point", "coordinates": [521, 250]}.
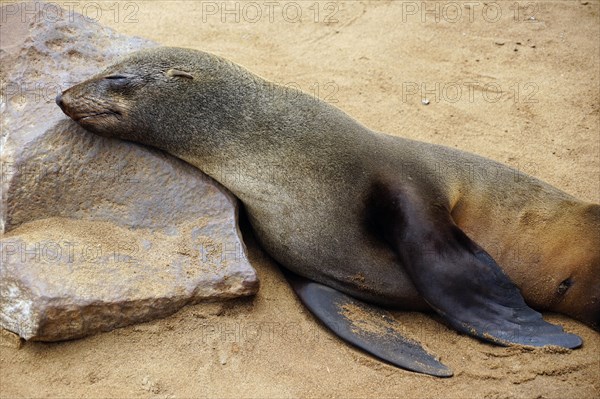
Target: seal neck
{"type": "Point", "coordinates": [248, 127]}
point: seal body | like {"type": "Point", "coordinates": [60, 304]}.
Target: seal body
{"type": "Point", "coordinates": [362, 212]}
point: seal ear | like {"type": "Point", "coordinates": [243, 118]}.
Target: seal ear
{"type": "Point", "coordinates": [456, 277]}
{"type": "Point", "coordinates": [172, 73]}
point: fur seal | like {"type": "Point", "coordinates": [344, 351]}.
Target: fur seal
{"type": "Point", "coordinates": [359, 218]}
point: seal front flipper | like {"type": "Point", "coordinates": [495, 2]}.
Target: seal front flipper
{"type": "Point", "coordinates": [458, 279]}
{"type": "Point", "coordinates": [370, 328]}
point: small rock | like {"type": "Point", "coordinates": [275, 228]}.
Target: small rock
{"type": "Point", "coordinates": [150, 386]}
{"type": "Point", "coordinates": [10, 339]}
{"type": "Point", "coordinates": [223, 358]}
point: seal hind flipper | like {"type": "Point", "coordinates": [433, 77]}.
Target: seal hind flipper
{"type": "Point", "coordinates": [374, 330]}
{"type": "Point", "coordinates": [456, 277]}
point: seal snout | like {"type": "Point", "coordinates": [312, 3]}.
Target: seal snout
{"type": "Point", "coordinates": [59, 101]}
{"type": "Point", "coordinates": [62, 100]}
{"type": "Point", "coordinates": [81, 108]}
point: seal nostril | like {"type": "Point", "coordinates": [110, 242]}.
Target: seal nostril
{"type": "Point", "coordinates": [59, 101]}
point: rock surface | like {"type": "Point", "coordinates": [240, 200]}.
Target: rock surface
{"type": "Point", "coordinates": [97, 233]}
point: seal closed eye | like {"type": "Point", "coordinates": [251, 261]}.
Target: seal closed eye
{"type": "Point", "coordinates": [334, 204]}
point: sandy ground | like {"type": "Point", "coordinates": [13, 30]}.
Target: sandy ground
{"type": "Point", "coordinates": [370, 59]}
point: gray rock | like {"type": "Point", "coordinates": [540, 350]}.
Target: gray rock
{"type": "Point", "coordinates": [97, 233]}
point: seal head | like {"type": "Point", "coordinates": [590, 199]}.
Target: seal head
{"type": "Point", "coordinates": [148, 96]}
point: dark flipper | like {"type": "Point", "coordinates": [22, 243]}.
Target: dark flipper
{"type": "Point", "coordinates": [369, 328]}
{"type": "Point", "coordinates": [455, 275]}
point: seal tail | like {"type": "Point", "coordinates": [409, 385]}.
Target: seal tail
{"type": "Point", "coordinates": [369, 328]}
